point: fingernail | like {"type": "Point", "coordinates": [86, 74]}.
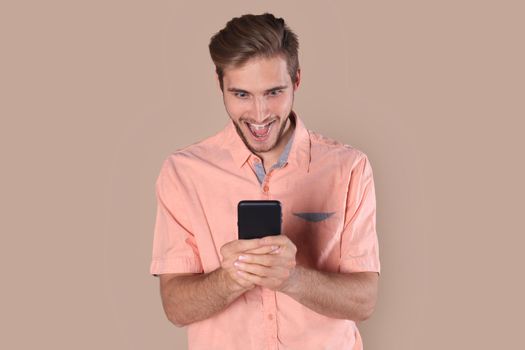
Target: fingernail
{"type": "Point", "coordinates": [242, 257]}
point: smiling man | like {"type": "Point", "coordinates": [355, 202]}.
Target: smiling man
{"type": "Point", "coordinates": [304, 289]}
{"type": "Point", "coordinates": [260, 109]}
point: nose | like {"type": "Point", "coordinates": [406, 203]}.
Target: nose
{"type": "Point", "coordinates": [260, 109]}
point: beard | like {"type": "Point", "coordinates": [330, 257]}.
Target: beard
{"type": "Point", "coordinates": [267, 148]}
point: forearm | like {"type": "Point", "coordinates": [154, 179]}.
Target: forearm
{"type": "Point", "coordinates": [337, 295]}
{"type": "Point", "coordinates": [193, 298]}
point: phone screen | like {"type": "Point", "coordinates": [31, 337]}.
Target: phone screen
{"type": "Point", "coordinates": [258, 218]}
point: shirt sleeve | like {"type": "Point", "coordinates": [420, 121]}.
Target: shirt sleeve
{"type": "Point", "coordinates": [174, 245]}
{"type": "Point", "coordinates": [359, 243]}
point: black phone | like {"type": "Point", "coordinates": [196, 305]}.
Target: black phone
{"type": "Point", "coordinates": [259, 218]}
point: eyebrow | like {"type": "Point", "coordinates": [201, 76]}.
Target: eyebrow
{"type": "Point", "coordinates": [281, 87]}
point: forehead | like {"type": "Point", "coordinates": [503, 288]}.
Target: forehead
{"type": "Point", "coordinates": [258, 74]}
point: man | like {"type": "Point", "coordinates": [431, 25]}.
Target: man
{"type": "Point", "coordinates": [304, 289]}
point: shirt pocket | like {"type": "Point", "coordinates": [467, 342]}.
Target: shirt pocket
{"type": "Point", "coordinates": [317, 236]}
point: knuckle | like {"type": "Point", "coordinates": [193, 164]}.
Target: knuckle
{"type": "Point", "coordinates": [224, 250]}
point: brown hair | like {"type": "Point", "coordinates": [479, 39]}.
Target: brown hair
{"type": "Point", "coordinates": [254, 36]}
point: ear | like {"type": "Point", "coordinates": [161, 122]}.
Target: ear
{"type": "Point", "coordinates": [298, 79]}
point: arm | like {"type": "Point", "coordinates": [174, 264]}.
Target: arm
{"type": "Point", "coordinates": [349, 296]}
{"type": "Point", "coordinates": [339, 295]}
{"type": "Point", "coordinates": [189, 298]}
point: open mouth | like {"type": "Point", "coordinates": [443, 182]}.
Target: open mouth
{"type": "Point", "coordinates": [260, 132]}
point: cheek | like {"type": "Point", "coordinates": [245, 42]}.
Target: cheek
{"type": "Point", "coordinates": [282, 102]}
{"type": "Point", "coordinates": [235, 107]}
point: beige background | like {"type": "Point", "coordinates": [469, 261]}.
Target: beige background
{"type": "Point", "coordinates": [95, 94]}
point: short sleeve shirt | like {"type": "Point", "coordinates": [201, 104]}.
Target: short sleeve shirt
{"type": "Point", "coordinates": [327, 194]}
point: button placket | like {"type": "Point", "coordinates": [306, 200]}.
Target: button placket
{"type": "Point", "coordinates": [266, 185]}
{"type": "Point", "coordinates": [270, 308]}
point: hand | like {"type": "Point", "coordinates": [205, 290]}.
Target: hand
{"type": "Point", "coordinates": [230, 253]}
{"type": "Point", "coordinates": [275, 269]}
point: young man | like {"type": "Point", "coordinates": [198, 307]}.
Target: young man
{"type": "Point", "coordinates": [304, 289]}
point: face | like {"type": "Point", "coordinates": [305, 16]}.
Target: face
{"type": "Point", "coordinates": [258, 97]}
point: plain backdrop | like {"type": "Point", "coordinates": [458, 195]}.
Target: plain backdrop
{"type": "Point", "coordinates": [94, 95]}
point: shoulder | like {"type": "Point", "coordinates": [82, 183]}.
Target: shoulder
{"type": "Point", "coordinates": [336, 151]}
{"type": "Point", "coordinates": [200, 151]}
{"type": "Point", "coordinates": [191, 158]}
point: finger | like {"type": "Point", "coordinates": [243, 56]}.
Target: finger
{"type": "Point", "coordinates": [260, 270]}
{"type": "Point", "coordinates": [262, 259]}
{"type": "Point", "coordinates": [260, 281]}
{"type": "Point", "coordinates": [239, 245]}
{"type": "Point", "coordinates": [280, 240]}
{"type": "Point", "coordinates": [250, 277]}
{"type": "Point", "coordinates": [267, 249]}
{"type": "Point", "coordinates": [287, 246]}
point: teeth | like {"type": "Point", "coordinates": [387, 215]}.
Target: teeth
{"type": "Point", "coordinates": [259, 127]}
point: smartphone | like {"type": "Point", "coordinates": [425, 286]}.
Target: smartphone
{"type": "Point", "coordinates": [259, 218]}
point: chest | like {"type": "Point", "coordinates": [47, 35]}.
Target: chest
{"type": "Point", "coordinates": [313, 210]}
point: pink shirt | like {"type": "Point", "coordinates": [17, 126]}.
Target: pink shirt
{"type": "Point", "coordinates": [327, 194]}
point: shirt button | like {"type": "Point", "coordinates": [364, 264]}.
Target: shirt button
{"type": "Point", "coordinates": [270, 317]}
{"type": "Point", "coordinates": [266, 188]}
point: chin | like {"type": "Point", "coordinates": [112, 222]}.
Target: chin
{"type": "Point", "coordinates": [265, 147]}
{"type": "Point", "coordinates": [258, 147]}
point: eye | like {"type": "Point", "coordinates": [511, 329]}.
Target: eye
{"type": "Point", "coordinates": [241, 94]}
{"type": "Point", "coordinates": [275, 92]}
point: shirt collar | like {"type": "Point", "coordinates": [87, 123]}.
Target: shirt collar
{"type": "Point", "coordinates": [299, 152]}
